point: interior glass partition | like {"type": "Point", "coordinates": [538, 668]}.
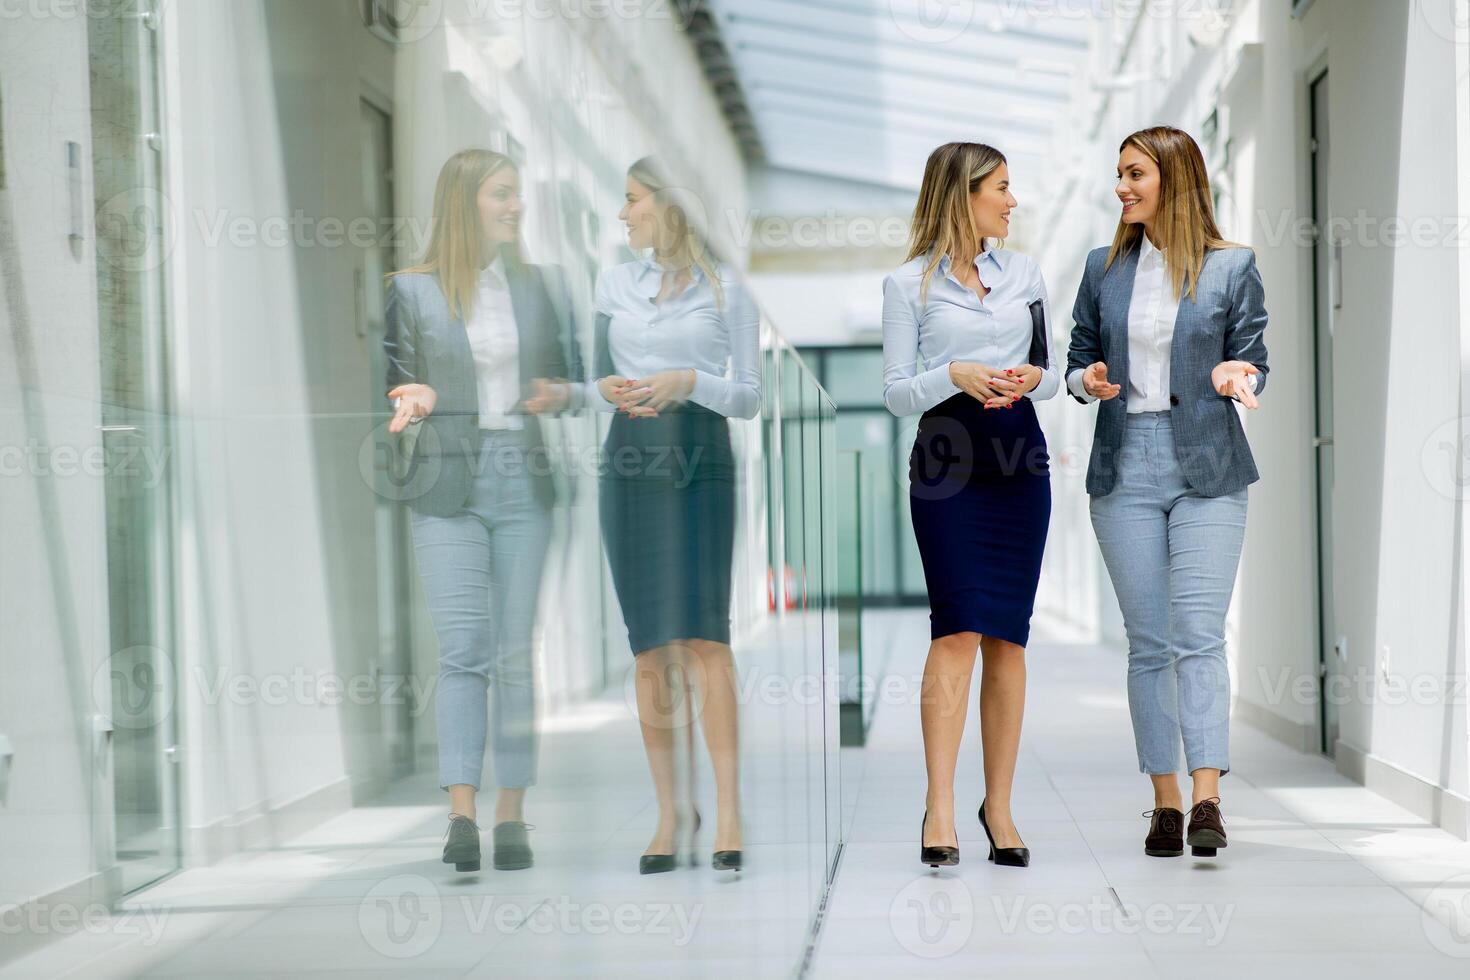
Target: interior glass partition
{"type": "Point", "coordinates": [227, 672]}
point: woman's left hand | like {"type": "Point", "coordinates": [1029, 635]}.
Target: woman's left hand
{"type": "Point", "coordinates": [1229, 378]}
{"type": "Point", "coordinates": [648, 396]}
{"type": "Point", "coordinates": [1013, 384]}
{"type": "Point", "coordinates": [546, 397]}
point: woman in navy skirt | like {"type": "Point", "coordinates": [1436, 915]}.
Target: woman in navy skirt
{"type": "Point", "coordinates": [966, 341]}
{"type": "Point", "coordinates": [678, 357]}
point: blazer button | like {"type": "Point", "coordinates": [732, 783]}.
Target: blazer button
{"type": "Point", "coordinates": [1173, 399]}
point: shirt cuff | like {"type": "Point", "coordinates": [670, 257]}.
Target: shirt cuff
{"type": "Point", "coordinates": [1074, 385]}
{"type": "Point", "coordinates": [939, 384]}
{"type": "Point", "coordinates": [595, 399]}
{"type": "Point", "coordinates": [704, 392]}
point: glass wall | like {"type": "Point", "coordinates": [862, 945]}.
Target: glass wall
{"type": "Point", "coordinates": [429, 544]}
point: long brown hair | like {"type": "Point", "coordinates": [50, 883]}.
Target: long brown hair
{"type": "Point", "coordinates": [457, 247]}
{"type": "Point", "coordinates": [682, 213]}
{"type": "Point", "coordinates": [942, 219]}
{"type": "Point", "coordinates": [1184, 223]}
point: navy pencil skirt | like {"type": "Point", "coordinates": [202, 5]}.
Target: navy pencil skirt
{"type": "Point", "coordinates": [667, 502]}
{"type": "Point", "coordinates": [980, 496]}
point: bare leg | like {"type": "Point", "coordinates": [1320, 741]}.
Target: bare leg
{"type": "Point", "coordinates": [1002, 704]}
{"type": "Point", "coordinates": [1206, 783]}
{"type": "Point", "coordinates": [1166, 790]}
{"type": "Point", "coordinates": [661, 686]}
{"type": "Point", "coordinates": [715, 674]}
{"type": "Point", "coordinates": [509, 803]}
{"type": "Point", "coordinates": [943, 702]}
{"type": "Point", "coordinates": [462, 800]}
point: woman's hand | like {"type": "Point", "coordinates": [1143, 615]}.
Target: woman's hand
{"type": "Point", "coordinates": [1014, 383]}
{"type": "Point", "coordinates": [979, 382]}
{"type": "Point", "coordinates": [1095, 382]}
{"type": "Point", "coordinates": [547, 397]}
{"type": "Point", "coordinates": [414, 402]}
{"type": "Point", "coordinates": [1229, 379]}
{"type": "Point", "coordinates": [611, 388]}
{"type": "Point", "coordinates": [646, 397]}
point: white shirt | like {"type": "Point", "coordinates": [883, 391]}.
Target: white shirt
{"type": "Point", "coordinates": [954, 324]}
{"type": "Point", "coordinates": [686, 331]}
{"type": "Point", "coordinates": [1152, 311]}
{"type": "Point", "coordinates": [496, 346]}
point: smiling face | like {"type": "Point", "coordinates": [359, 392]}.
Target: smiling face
{"type": "Point", "coordinates": [640, 215]}
{"type": "Point", "coordinates": [499, 201]}
{"type": "Point", "coordinates": [1139, 186]}
{"type": "Point", "coordinates": [991, 203]}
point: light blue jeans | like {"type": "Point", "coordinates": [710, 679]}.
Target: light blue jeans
{"type": "Point", "coordinates": [1172, 555]}
{"type": "Point", "coordinates": [481, 571]}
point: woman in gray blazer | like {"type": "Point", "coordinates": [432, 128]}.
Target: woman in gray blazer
{"type": "Point", "coordinates": [475, 351]}
{"type": "Point", "coordinates": [1169, 338]}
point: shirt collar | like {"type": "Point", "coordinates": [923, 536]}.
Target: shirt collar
{"type": "Point", "coordinates": [1148, 251]}
{"type": "Point", "coordinates": [494, 273]}
{"type": "Point", "coordinates": [650, 271]}
{"type": "Point", "coordinates": [990, 255]}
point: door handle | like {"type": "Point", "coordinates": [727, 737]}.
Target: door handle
{"type": "Point", "coordinates": [1319, 441]}
{"type": "Point", "coordinates": [1337, 275]}
{"type": "Point", "coordinates": [7, 756]}
{"type": "Point", "coordinates": [102, 741]}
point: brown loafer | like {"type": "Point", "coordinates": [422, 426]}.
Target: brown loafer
{"type": "Point", "coordinates": [1206, 828]}
{"type": "Point", "coordinates": [1165, 832]}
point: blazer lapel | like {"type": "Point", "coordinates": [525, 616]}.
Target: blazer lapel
{"type": "Point", "coordinates": [524, 303]}
{"type": "Point", "coordinates": [1117, 298]}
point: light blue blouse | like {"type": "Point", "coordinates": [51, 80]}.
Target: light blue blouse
{"type": "Point", "coordinates": [956, 325]}
{"type": "Point", "coordinates": [686, 331]}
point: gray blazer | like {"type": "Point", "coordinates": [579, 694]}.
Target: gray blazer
{"type": "Point", "coordinates": [1225, 321]}
{"type": "Point", "coordinates": [425, 344]}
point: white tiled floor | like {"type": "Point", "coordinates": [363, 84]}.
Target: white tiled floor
{"type": "Point", "coordinates": [1321, 878]}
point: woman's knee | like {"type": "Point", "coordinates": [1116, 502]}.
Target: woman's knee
{"type": "Point", "coordinates": [994, 646]}
{"type": "Point", "coordinates": [957, 644]}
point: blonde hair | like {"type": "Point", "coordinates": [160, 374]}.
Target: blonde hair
{"type": "Point", "coordinates": [679, 213]}
{"type": "Point", "coordinates": [1184, 224]}
{"type": "Point", "coordinates": [943, 223]}
{"type": "Point", "coordinates": [457, 245]}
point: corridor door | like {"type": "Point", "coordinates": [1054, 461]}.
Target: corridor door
{"type": "Point", "coordinates": [1327, 285]}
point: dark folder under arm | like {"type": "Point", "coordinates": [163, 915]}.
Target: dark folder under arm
{"type": "Point", "coordinates": [1038, 337]}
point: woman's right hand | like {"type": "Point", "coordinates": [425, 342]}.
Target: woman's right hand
{"type": "Point", "coordinates": [1095, 382]}
{"type": "Point", "coordinates": [414, 402]}
{"type": "Point", "coordinates": [979, 381]}
{"type": "Point", "coordinates": [613, 388]}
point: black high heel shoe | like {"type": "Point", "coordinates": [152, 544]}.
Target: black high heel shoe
{"type": "Point", "coordinates": [1012, 857]}
{"type": "Point", "coordinates": [939, 854]}
{"type": "Point", "coordinates": [725, 860]}
{"type": "Point", "coordinates": [652, 864]}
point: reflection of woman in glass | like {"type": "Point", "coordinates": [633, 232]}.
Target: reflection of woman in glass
{"type": "Point", "coordinates": [979, 480]}
{"type": "Point", "coordinates": [667, 326]}
{"type": "Point", "coordinates": [472, 342]}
